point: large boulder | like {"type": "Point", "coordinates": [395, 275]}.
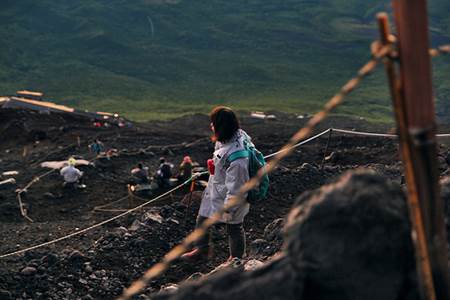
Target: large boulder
{"type": "Point", "coordinates": [347, 240]}
{"type": "Point", "coordinates": [352, 240]}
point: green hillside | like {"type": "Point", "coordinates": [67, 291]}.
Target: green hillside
{"type": "Point", "coordinates": [160, 58]}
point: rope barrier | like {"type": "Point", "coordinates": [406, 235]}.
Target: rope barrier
{"type": "Point", "coordinates": [101, 223]}
{"type": "Point", "coordinates": [354, 132]}
{"type": "Point", "coordinates": [159, 268]}
{"type": "Point", "coordinates": [300, 144]}
{"type": "Point", "coordinates": [365, 133]}
{"type": "Point", "coordinates": [100, 208]}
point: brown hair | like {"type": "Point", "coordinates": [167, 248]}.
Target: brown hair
{"type": "Point", "coordinates": [225, 123]}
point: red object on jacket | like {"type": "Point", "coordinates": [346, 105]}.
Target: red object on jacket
{"type": "Point", "coordinates": [211, 167]}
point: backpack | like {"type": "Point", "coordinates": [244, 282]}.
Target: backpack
{"type": "Point", "coordinates": [256, 161]}
{"type": "Point", "coordinates": [166, 170]}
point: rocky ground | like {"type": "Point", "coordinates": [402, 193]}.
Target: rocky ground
{"type": "Point", "coordinates": [100, 263]}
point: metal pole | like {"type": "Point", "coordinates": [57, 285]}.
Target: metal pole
{"type": "Point", "coordinates": [416, 93]}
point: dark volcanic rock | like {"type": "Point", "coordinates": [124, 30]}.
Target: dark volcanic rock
{"type": "Point", "coordinates": [28, 271]}
{"type": "Point", "coordinates": [5, 295]}
{"type": "Point", "coordinates": [352, 240]}
{"type": "Point", "coordinates": [348, 240]}
{"type": "Point", "coordinates": [273, 231]}
{"type": "Point", "coordinates": [257, 247]}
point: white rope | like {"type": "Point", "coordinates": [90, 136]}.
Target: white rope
{"type": "Point", "coordinates": [364, 133]}
{"type": "Point", "coordinates": [300, 144]}
{"type": "Point", "coordinates": [101, 223]}
{"type": "Point", "coordinates": [189, 180]}
{"type": "Point", "coordinates": [378, 134]}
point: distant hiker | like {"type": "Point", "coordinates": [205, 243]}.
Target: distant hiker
{"type": "Point", "coordinates": [164, 173]}
{"type": "Point", "coordinates": [140, 174]}
{"type": "Point", "coordinates": [185, 169]}
{"type": "Point", "coordinates": [97, 147]}
{"type": "Point", "coordinates": [72, 176]}
{"type": "Point", "coordinates": [225, 181]}
{"type": "Point", "coordinates": [111, 152]}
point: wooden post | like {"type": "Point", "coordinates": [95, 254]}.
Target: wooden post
{"type": "Point", "coordinates": [326, 148]}
{"type": "Point", "coordinates": [420, 132]}
{"type": "Point", "coordinates": [423, 265]}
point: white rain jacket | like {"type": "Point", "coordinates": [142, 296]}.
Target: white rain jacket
{"type": "Point", "coordinates": [227, 180]}
{"type": "Point", "coordinates": [71, 174]}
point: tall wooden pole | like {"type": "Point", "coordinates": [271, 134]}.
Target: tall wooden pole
{"type": "Point", "coordinates": [424, 273]}
{"type": "Point", "coordinates": [416, 95]}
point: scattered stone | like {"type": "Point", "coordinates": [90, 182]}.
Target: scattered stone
{"type": "Point", "coordinates": [332, 158]}
{"type": "Point", "coordinates": [154, 216]}
{"type": "Point", "coordinates": [100, 273]}
{"type": "Point", "coordinates": [28, 271]}
{"type": "Point", "coordinates": [5, 295]}
{"type": "Point", "coordinates": [170, 288]}
{"type": "Point", "coordinates": [253, 264]}
{"type": "Point", "coordinates": [166, 211]}
{"type": "Point", "coordinates": [49, 259]}
{"type": "Point", "coordinates": [442, 163]}
{"type": "Point", "coordinates": [121, 231]}
{"type": "Point", "coordinates": [309, 169]}
{"type": "Point", "coordinates": [136, 225]}
{"type": "Point", "coordinates": [49, 195]}
{"type": "Point", "coordinates": [447, 157]}
{"type": "Point", "coordinates": [235, 263]}
{"type": "Point", "coordinates": [195, 276]}
{"type": "Point", "coordinates": [8, 183]}
{"type": "Point", "coordinates": [273, 231]}
{"type": "Point", "coordinates": [174, 221]}
{"type": "Point", "coordinates": [257, 247]}
{"type": "Point", "coordinates": [76, 256]}
{"type": "Point", "coordinates": [10, 173]}
{"type": "Point", "coordinates": [88, 267]}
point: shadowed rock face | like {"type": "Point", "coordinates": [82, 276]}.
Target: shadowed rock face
{"type": "Point", "coordinates": [347, 240]}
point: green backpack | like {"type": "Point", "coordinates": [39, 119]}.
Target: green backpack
{"type": "Point", "coordinates": [256, 161]}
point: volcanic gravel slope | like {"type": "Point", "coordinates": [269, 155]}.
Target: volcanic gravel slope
{"type": "Point", "coordinates": [100, 263]}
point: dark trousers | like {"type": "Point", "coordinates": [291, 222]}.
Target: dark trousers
{"type": "Point", "coordinates": [236, 238]}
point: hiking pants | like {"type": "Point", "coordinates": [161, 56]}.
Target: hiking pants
{"type": "Point", "coordinates": [236, 238]}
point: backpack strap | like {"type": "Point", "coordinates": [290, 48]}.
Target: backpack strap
{"type": "Point", "coordinates": [237, 155]}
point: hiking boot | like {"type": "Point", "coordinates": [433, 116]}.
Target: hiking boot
{"type": "Point", "coordinates": [195, 254]}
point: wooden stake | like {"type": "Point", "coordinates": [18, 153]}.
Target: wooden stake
{"type": "Point", "coordinates": [420, 241]}
{"type": "Point", "coordinates": [326, 148]}
{"type": "Point", "coordinates": [417, 114]}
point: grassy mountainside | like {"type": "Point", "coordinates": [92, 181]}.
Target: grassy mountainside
{"type": "Point", "coordinates": [159, 58]}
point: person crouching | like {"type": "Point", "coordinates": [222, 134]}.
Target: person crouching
{"type": "Point", "coordinates": [72, 176]}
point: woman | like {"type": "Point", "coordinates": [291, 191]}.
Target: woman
{"type": "Point", "coordinates": [225, 181]}
{"type": "Point", "coordinates": [185, 169]}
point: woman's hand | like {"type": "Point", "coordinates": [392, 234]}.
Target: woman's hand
{"type": "Point", "coordinates": [227, 216]}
